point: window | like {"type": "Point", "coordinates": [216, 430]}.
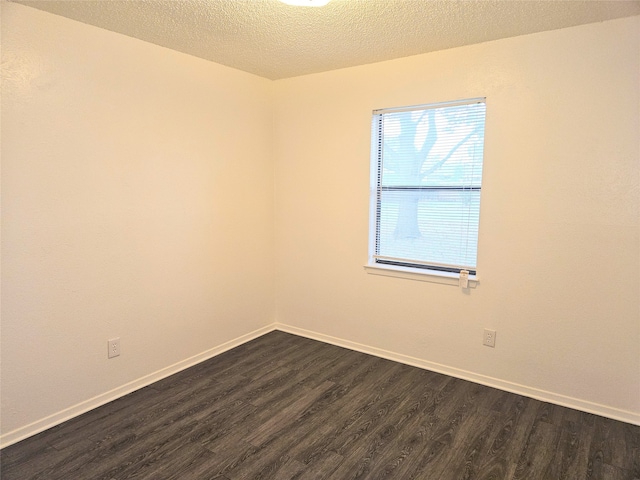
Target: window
{"type": "Point", "coordinates": [426, 176]}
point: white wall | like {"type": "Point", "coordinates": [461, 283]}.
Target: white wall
{"type": "Point", "coordinates": [559, 231]}
{"type": "Point", "coordinates": [137, 202]}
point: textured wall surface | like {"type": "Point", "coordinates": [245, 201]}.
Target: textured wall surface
{"type": "Point", "coordinates": [559, 245]}
{"type": "Point", "coordinates": [136, 203]}
{"type": "Point", "coordinates": [274, 40]}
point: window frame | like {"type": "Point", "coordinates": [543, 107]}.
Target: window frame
{"type": "Point", "coordinates": [412, 269]}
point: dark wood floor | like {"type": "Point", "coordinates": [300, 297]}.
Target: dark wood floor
{"type": "Point", "coordinates": [285, 407]}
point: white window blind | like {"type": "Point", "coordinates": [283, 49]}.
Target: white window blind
{"type": "Point", "coordinates": [426, 179]}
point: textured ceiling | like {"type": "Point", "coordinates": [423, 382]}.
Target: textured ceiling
{"type": "Point", "coordinates": [274, 40]}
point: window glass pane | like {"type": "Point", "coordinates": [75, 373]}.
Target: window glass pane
{"type": "Point", "coordinates": [429, 174]}
{"type": "Point", "coordinates": [438, 227]}
{"type": "Point", "coordinates": [434, 147]}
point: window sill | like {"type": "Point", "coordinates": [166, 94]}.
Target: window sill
{"type": "Point", "coordinates": [433, 276]}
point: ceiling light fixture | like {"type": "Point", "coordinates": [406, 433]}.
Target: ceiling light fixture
{"type": "Point", "coordinates": [306, 3]}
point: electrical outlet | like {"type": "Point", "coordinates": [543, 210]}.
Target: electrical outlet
{"type": "Point", "coordinates": [489, 338]}
{"type": "Point", "coordinates": [114, 347]}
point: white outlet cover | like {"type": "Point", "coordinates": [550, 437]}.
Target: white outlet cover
{"type": "Point", "coordinates": [113, 346]}
{"type": "Point", "coordinates": [489, 338]}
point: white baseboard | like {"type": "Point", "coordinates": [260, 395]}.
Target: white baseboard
{"type": "Point", "coordinates": [555, 398]}
{"type": "Point", "coordinates": [38, 426]}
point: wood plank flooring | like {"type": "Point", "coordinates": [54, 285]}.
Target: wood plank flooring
{"type": "Point", "coordinates": [285, 407]}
